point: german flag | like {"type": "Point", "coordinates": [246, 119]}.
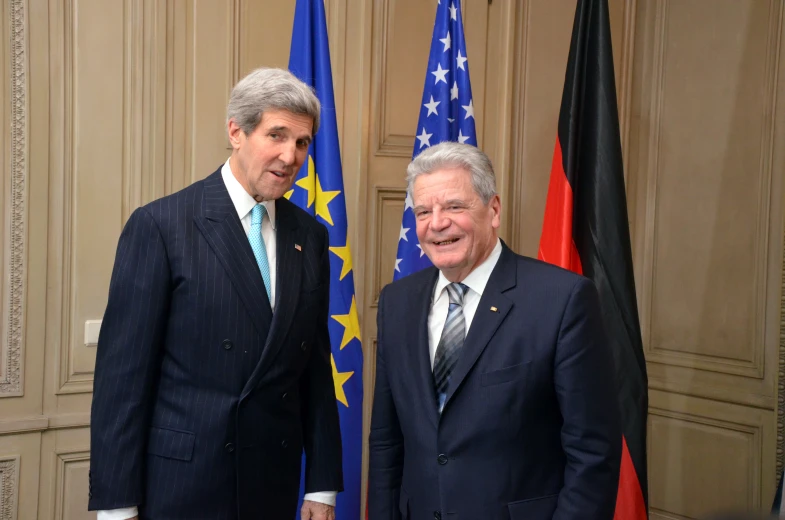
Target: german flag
{"type": "Point", "coordinates": [585, 228]}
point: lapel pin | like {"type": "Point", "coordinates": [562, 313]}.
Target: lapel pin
{"type": "Point", "coordinates": [297, 247]}
{"type": "Point", "coordinates": [494, 309]}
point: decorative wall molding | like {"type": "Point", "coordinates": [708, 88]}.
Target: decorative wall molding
{"type": "Point", "coordinates": [709, 425]}
{"type": "Point", "coordinates": [9, 487]}
{"type": "Point", "coordinates": [383, 197]}
{"type": "Point", "coordinates": [68, 382]}
{"type": "Point", "coordinates": [67, 461]}
{"type": "Point", "coordinates": [624, 90]}
{"type": "Point", "coordinates": [781, 380]}
{"type": "Point", "coordinates": [11, 378]}
{"type": "Point", "coordinates": [748, 364]}
{"type": "Point", "coordinates": [780, 466]}
{"type": "Point", "coordinates": [521, 50]}
{"type": "Point", "coordinates": [388, 144]}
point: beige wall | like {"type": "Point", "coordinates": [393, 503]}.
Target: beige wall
{"type": "Point", "coordinates": [105, 105]}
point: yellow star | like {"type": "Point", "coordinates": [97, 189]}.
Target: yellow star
{"type": "Point", "coordinates": [322, 199]}
{"type": "Point", "coordinates": [339, 378]}
{"type": "Point", "coordinates": [351, 325]}
{"type": "Point", "coordinates": [313, 186]}
{"type": "Point", "coordinates": [308, 182]}
{"type": "Point", "coordinates": [288, 194]}
{"type": "Point", "coordinates": [344, 254]}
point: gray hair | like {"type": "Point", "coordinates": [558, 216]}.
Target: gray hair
{"type": "Point", "coordinates": [270, 89]}
{"type": "Point", "coordinates": [449, 154]}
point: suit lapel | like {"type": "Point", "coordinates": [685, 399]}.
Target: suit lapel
{"type": "Point", "coordinates": [223, 230]}
{"type": "Point", "coordinates": [288, 277]}
{"type": "Point", "coordinates": [486, 321]}
{"type": "Point", "coordinates": [418, 338]}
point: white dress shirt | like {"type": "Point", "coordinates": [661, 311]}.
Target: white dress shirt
{"type": "Point", "coordinates": [243, 204]}
{"type": "Point", "coordinates": [440, 301]}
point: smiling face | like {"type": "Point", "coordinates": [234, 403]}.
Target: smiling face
{"type": "Point", "coordinates": [266, 161]}
{"type": "Point", "coordinates": [456, 230]}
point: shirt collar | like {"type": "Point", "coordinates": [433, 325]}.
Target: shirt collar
{"type": "Point", "coordinates": [477, 279]}
{"type": "Point", "coordinates": [243, 202]}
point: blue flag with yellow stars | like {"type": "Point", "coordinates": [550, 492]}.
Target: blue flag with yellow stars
{"type": "Point", "coordinates": [319, 190]}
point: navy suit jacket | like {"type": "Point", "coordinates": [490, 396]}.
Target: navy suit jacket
{"type": "Point", "coordinates": [204, 399]}
{"type": "Point", "coordinates": [530, 427]}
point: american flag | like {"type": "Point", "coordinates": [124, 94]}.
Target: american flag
{"type": "Point", "coordinates": [446, 114]}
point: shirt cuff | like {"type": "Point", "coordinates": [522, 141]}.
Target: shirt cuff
{"type": "Point", "coordinates": [118, 514]}
{"type": "Point", "coordinates": [323, 497]}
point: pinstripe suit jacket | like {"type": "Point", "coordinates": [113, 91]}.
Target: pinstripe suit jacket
{"type": "Point", "coordinates": [204, 399]}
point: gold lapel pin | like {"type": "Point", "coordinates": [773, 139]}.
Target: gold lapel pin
{"type": "Point", "coordinates": [494, 309]}
{"type": "Point", "coordinates": [297, 247]}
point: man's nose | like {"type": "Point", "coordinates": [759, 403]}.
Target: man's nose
{"type": "Point", "coordinates": [439, 220]}
{"type": "Point", "coordinates": [288, 153]}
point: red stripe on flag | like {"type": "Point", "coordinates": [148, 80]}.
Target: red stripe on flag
{"type": "Point", "coordinates": [629, 501]}
{"type": "Point", "coordinates": [556, 243]}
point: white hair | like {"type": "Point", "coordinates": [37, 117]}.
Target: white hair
{"type": "Point", "coordinates": [449, 154]}
{"type": "Point", "coordinates": [270, 89]}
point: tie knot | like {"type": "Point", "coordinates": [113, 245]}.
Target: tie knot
{"type": "Point", "coordinates": [257, 213]}
{"type": "Point", "coordinates": [457, 291]}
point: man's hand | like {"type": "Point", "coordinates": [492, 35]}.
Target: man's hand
{"type": "Point", "coordinates": [316, 511]}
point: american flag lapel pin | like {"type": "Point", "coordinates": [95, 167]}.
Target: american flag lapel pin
{"type": "Point", "coordinates": [297, 247]}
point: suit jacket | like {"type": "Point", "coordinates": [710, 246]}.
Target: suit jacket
{"type": "Point", "coordinates": [204, 399]}
{"type": "Point", "coordinates": [530, 426]}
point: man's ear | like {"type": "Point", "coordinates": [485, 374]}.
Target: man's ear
{"type": "Point", "coordinates": [235, 133]}
{"type": "Point", "coordinates": [496, 206]}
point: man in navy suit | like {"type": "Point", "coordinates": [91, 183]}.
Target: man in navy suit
{"type": "Point", "coordinates": [494, 383]}
{"type": "Point", "coordinates": [213, 368]}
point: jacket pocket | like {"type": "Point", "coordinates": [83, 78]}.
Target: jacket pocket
{"type": "Point", "coordinates": [497, 377]}
{"type": "Point", "coordinates": [171, 444]}
{"type": "Point", "coordinates": [534, 508]}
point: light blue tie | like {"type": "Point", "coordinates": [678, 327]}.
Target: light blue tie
{"type": "Point", "coordinates": [257, 244]}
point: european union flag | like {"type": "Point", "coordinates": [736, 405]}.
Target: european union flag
{"type": "Point", "coordinates": [446, 114]}
{"type": "Point", "coordinates": [319, 190]}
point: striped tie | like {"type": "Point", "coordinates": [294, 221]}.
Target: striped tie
{"type": "Point", "coordinates": [257, 244]}
{"type": "Point", "coordinates": [450, 344]}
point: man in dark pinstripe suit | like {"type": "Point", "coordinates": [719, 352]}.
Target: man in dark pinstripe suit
{"type": "Point", "coordinates": [213, 368]}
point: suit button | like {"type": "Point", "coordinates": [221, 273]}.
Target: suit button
{"type": "Point", "coordinates": [303, 346]}
{"type": "Point", "coordinates": [284, 444]}
{"type": "Point", "coordinates": [227, 344]}
{"type": "Point", "coordinates": [437, 515]}
{"type": "Point", "coordinates": [442, 459]}
{"type": "Point", "coordinates": [229, 447]}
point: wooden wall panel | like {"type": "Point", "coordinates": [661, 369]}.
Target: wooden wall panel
{"type": "Point", "coordinates": [705, 457]}
{"type": "Point", "coordinates": [72, 485]}
{"type": "Point", "coordinates": [91, 145]}
{"type": "Point", "coordinates": [19, 475]}
{"type": "Point", "coordinates": [709, 166]}
{"type": "Point", "coordinates": [212, 77]}
{"type": "Point", "coordinates": [389, 206]}
{"type": "Point", "coordinates": [64, 486]}
{"type": "Point", "coordinates": [707, 228]}
{"type": "Point", "coordinates": [265, 34]}
{"type": "Point", "coordinates": [705, 194]}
